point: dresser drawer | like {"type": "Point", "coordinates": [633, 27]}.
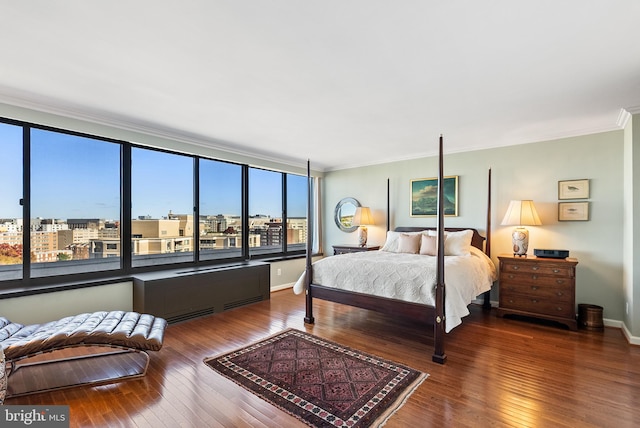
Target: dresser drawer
{"type": "Point", "coordinates": [538, 290]}
{"type": "Point", "coordinates": [538, 305]}
{"type": "Point", "coordinates": [537, 268]}
{"type": "Point", "coordinates": [536, 279]}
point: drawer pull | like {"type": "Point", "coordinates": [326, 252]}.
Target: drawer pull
{"type": "Point", "coordinates": [560, 293]}
{"type": "Point", "coordinates": [534, 287]}
{"type": "Point", "coordinates": [534, 300]}
{"type": "Point", "coordinates": [556, 270]}
{"type": "Point", "coordinates": [511, 277]}
{"type": "Point", "coordinates": [534, 276]}
{"type": "Point", "coordinates": [534, 268]}
{"type": "Point", "coordinates": [559, 309]}
{"type": "Point", "coordinates": [515, 267]}
{"type": "Point", "coordinates": [560, 281]}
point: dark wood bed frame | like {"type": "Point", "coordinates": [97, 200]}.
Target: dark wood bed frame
{"type": "Point", "coordinates": [432, 315]}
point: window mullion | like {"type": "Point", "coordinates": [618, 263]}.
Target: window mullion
{"type": "Point", "coordinates": [26, 203]}
{"type": "Point", "coordinates": [125, 222]}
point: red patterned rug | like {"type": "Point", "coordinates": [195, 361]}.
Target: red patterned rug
{"type": "Point", "coordinates": [322, 383]}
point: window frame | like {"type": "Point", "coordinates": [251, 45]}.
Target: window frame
{"type": "Point", "coordinates": [126, 269]}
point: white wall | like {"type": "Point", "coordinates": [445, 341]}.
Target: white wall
{"type": "Point", "coordinates": [45, 307]}
{"type": "Point", "coordinates": [286, 272]}
{"type": "Point", "coordinates": [529, 171]}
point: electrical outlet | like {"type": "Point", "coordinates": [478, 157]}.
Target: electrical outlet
{"type": "Point", "coordinates": [279, 271]}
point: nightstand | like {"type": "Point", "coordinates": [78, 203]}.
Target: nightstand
{"type": "Point", "coordinates": [343, 249]}
{"type": "Point", "coordinates": [538, 287]}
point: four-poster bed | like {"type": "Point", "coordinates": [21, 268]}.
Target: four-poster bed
{"type": "Point", "coordinates": [470, 271]}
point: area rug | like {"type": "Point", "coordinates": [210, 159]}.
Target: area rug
{"type": "Point", "coordinates": [322, 383]}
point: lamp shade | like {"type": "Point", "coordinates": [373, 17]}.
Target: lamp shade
{"type": "Point", "coordinates": [362, 217]}
{"type": "Point", "coordinates": [521, 213]}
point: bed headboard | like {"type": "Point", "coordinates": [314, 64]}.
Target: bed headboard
{"type": "Point", "coordinates": [477, 240]}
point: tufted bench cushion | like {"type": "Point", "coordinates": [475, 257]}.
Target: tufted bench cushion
{"type": "Point", "coordinates": [119, 328]}
{"type": "Point", "coordinates": [3, 377]}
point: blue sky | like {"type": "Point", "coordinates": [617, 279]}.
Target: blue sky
{"type": "Point", "coordinates": [76, 177]}
{"type": "Point", "coordinates": [11, 171]}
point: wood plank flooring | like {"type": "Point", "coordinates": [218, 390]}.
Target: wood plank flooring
{"type": "Point", "coordinates": [499, 373]}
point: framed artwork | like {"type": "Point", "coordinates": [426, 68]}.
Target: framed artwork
{"type": "Point", "coordinates": [424, 196]}
{"type": "Point", "coordinates": [573, 189]}
{"type": "Point", "coordinates": [573, 211]}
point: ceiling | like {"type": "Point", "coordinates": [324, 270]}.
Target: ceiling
{"type": "Point", "coordinates": [342, 83]}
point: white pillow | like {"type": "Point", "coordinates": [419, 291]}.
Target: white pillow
{"type": "Point", "coordinates": [409, 243]}
{"type": "Point", "coordinates": [391, 244]}
{"type": "Point", "coordinates": [456, 243]}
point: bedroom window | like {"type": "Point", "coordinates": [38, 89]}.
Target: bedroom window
{"type": "Point", "coordinates": [265, 212]}
{"type": "Point", "coordinates": [277, 213]}
{"type": "Point", "coordinates": [84, 207]}
{"type": "Point", "coordinates": [161, 206]}
{"type": "Point", "coordinates": [11, 224]}
{"type": "Point", "coordinates": [296, 213]}
{"type": "Point", "coordinates": [74, 195]}
{"type": "Point", "coordinates": [220, 216]}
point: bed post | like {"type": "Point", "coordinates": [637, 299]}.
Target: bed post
{"type": "Point", "coordinates": [439, 355]}
{"type": "Point", "coordinates": [388, 208]}
{"type": "Point", "coordinates": [487, 245]}
{"type": "Point", "coordinates": [308, 318]}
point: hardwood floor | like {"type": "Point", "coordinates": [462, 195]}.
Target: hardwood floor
{"type": "Point", "coordinates": [499, 372]}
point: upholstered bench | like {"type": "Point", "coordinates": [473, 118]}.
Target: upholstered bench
{"type": "Point", "coordinates": [120, 339]}
{"type": "Point", "coordinates": [3, 377]}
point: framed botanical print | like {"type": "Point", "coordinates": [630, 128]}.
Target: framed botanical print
{"type": "Point", "coordinates": [573, 211]}
{"type": "Point", "coordinates": [573, 189]}
{"type": "Point", "coordinates": [424, 196]}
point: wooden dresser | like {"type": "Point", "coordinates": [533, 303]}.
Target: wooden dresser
{"type": "Point", "coordinates": [343, 249]}
{"type": "Point", "coordinates": [538, 287]}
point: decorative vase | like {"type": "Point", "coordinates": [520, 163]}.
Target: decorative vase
{"type": "Point", "coordinates": [520, 241]}
{"type": "Point", "coordinates": [362, 236]}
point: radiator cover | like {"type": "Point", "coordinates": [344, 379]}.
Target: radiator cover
{"type": "Point", "coordinates": [182, 294]}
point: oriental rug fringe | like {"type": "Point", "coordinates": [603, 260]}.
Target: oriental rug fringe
{"type": "Point", "coordinates": [322, 383]}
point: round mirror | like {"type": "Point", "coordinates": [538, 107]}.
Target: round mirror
{"type": "Point", "coordinates": [345, 210]}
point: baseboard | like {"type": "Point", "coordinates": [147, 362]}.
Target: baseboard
{"type": "Point", "coordinates": [282, 287]}
{"type": "Point", "coordinates": [633, 340]}
{"type": "Point", "coordinates": [613, 323]}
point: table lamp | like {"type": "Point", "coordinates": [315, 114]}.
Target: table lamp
{"type": "Point", "coordinates": [362, 218]}
{"type": "Point", "coordinates": [521, 213]}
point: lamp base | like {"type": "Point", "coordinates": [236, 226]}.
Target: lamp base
{"type": "Point", "coordinates": [362, 236]}
{"type": "Point", "coordinates": [520, 241]}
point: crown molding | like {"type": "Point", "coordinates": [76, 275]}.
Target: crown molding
{"type": "Point", "coordinates": [623, 118]}
{"type": "Point", "coordinates": [625, 114]}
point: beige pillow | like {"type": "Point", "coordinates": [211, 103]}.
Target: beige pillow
{"type": "Point", "coordinates": [393, 240]}
{"type": "Point", "coordinates": [429, 245]}
{"type": "Point", "coordinates": [409, 243]}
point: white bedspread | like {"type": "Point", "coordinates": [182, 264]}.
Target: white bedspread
{"type": "Point", "coordinates": [409, 277]}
